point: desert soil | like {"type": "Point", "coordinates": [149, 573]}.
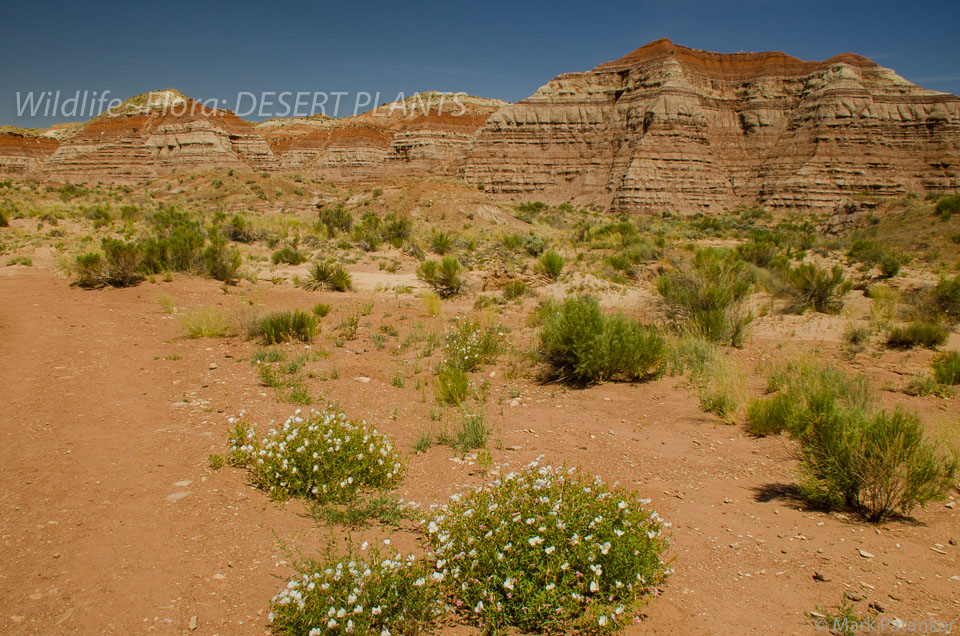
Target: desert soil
{"type": "Point", "coordinates": [114, 522]}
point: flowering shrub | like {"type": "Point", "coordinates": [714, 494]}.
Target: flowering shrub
{"type": "Point", "coordinates": [359, 594]}
{"type": "Point", "coordinates": [325, 456]}
{"type": "Point", "coordinates": [548, 549]}
{"type": "Point", "coordinates": [468, 346]}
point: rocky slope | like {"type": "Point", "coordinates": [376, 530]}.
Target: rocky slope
{"type": "Point", "coordinates": [667, 127]}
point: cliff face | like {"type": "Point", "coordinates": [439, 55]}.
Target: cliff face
{"type": "Point", "coordinates": [667, 127]}
{"type": "Point", "coordinates": [423, 135]}
{"type": "Point", "coordinates": [155, 134]}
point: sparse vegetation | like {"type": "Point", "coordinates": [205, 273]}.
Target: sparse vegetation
{"type": "Point", "coordinates": [444, 277]}
{"type": "Point", "coordinates": [918, 334]}
{"type": "Point", "coordinates": [281, 326]}
{"type": "Point", "coordinates": [808, 286]}
{"type": "Point", "coordinates": [551, 264]}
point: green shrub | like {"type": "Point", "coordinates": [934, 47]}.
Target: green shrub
{"type": "Point", "coordinates": [359, 592]}
{"type": "Point", "coordinates": [468, 346]}
{"type": "Point", "coordinates": [320, 310]}
{"type": "Point", "coordinates": [533, 244]}
{"type": "Point", "coordinates": [176, 245]}
{"type": "Point", "coordinates": [851, 454]}
{"type": "Point", "coordinates": [326, 274]}
{"type": "Point", "coordinates": [708, 298]}
{"type": "Point", "coordinates": [580, 344]}
{"type": "Point", "coordinates": [4, 220]}
{"type": "Point", "coordinates": [324, 456]}
{"type": "Point", "coordinates": [946, 297]}
{"type": "Point", "coordinates": [281, 326]}
{"type": "Point", "coordinates": [452, 386]}
{"type": "Point", "coordinates": [719, 382]}
{"type": "Point", "coordinates": [288, 255]}
{"type": "Point", "coordinates": [808, 286]}
{"type": "Point", "coordinates": [206, 322]}
{"type": "Point", "coordinates": [118, 266]}
{"type": "Point", "coordinates": [549, 550]}
{"type": "Point", "coordinates": [946, 368]}
{"type": "Point", "coordinates": [397, 229]}
{"type": "Point", "coordinates": [918, 334]}
{"type": "Point", "coordinates": [514, 289]}
{"type": "Point", "coordinates": [473, 432]}
{"type": "Point", "coordinates": [551, 264]}
{"type": "Point", "coordinates": [220, 260]}
{"type": "Point", "coordinates": [761, 253]}
{"type": "Point", "coordinates": [238, 230]}
{"type": "Point", "coordinates": [440, 242]}
{"type": "Point", "coordinates": [341, 280]}
{"type": "Point", "coordinates": [923, 385]}
{"type": "Point", "coordinates": [889, 266]}
{"type": "Point", "coordinates": [336, 219]}
{"type": "Point", "coordinates": [948, 206]}
{"type": "Point", "coordinates": [443, 277]}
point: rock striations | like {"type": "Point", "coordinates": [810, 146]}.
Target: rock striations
{"type": "Point", "coordinates": [665, 127]}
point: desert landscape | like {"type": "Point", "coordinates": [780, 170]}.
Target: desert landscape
{"type": "Point", "coordinates": [668, 347]}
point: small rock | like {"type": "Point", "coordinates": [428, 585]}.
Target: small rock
{"type": "Point", "coordinates": [952, 541]}
{"type": "Point", "coordinates": [184, 483]}
{"type": "Point", "coordinates": [866, 585]}
{"type": "Point", "coordinates": [735, 544]}
{"type": "Point", "coordinates": [219, 576]}
{"type": "Point", "coordinates": [56, 555]}
{"type": "Point", "coordinates": [727, 500]}
{"type": "Point", "coordinates": [816, 614]}
{"type": "Point", "coordinates": [955, 578]}
{"type": "Point", "coordinates": [514, 402]}
{"type": "Point", "coordinates": [819, 576]}
{"type": "Point", "coordinates": [514, 448]}
{"type": "Point", "coordinates": [177, 496]}
{"type": "Point", "coordinates": [213, 365]}
{"type": "Point", "coordinates": [856, 597]}
{"type": "Point", "coordinates": [865, 554]}
{"type": "Point", "coordinates": [951, 505]}
{"type": "Point", "coordinates": [938, 550]}
{"type": "Point", "coordinates": [876, 606]}
{"type": "Point", "coordinates": [362, 379]}
{"type": "Point", "coordinates": [17, 619]}
{"type": "Point", "coordinates": [193, 623]}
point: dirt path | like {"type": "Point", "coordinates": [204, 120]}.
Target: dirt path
{"type": "Point", "coordinates": [110, 523]}
{"type": "Point", "coordinates": [111, 520]}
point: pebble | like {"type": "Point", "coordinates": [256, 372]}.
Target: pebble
{"type": "Point", "coordinates": [865, 554]}
{"type": "Point", "coordinates": [514, 402]}
{"type": "Point", "coordinates": [193, 623]}
{"type": "Point", "coordinates": [950, 504]}
{"type": "Point", "coordinates": [177, 496]}
{"type": "Point", "coordinates": [363, 379]}
{"type": "Point", "coordinates": [819, 576]}
{"type": "Point", "coordinates": [213, 365]}
{"type": "Point", "coordinates": [854, 596]}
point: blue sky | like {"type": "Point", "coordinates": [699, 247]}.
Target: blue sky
{"type": "Point", "coordinates": [493, 49]}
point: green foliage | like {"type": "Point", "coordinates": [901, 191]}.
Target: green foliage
{"type": "Point", "coordinates": [708, 298]}
{"type": "Point", "coordinates": [336, 219]}
{"type": "Point", "coordinates": [719, 382]}
{"type": "Point", "coordinates": [176, 244]}
{"type": "Point", "coordinates": [580, 344]}
{"type": "Point", "coordinates": [533, 244]}
{"type": "Point", "coordinates": [809, 286]}
{"type": "Point", "coordinates": [551, 264]}
{"type": "Point", "coordinates": [452, 386]}
{"type": "Point", "coordinates": [874, 254]}
{"type": "Point", "coordinates": [325, 274]}
{"type": "Point", "coordinates": [851, 454]}
{"type": "Point", "coordinates": [289, 255]}
{"type": "Point", "coordinates": [759, 252]}
{"type": "Point", "coordinates": [117, 266]}
{"type": "Point", "coordinates": [948, 206]}
{"type": "Point", "coordinates": [205, 322]}
{"type": "Point", "coordinates": [385, 509]}
{"type": "Point", "coordinates": [220, 260]}
{"type": "Point", "coordinates": [946, 368]}
{"type": "Point", "coordinates": [325, 457]}
{"type": "Point", "coordinates": [473, 432]}
{"type": "Point", "coordinates": [918, 334]}
{"type": "Point", "coordinates": [320, 310]}
{"type": "Point", "coordinates": [238, 230]}
{"type": "Point", "coordinates": [923, 385]}
{"type": "Point", "coordinates": [440, 242]}
{"type": "Point", "coordinates": [514, 289]}
{"type": "Point", "coordinates": [359, 592]}
{"type": "Point", "coordinates": [281, 326]}
{"type": "Point", "coordinates": [444, 277]}
{"type": "Point", "coordinates": [946, 297]}
{"type": "Point", "coordinates": [4, 219]}
{"type": "Point", "coordinates": [468, 346]}
{"type": "Point", "coordinates": [549, 550]}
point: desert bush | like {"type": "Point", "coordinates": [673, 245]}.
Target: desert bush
{"type": "Point", "coordinates": [289, 255]}
{"type": "Point", "coordinates": [4, 219]}
{"type": "Point", "coordinates": [948, 206]}
{"type": "Point", "coordinates": [472, 432]}
{"type": "Point", "coordinates": [320, 310]}
{"type": "Point", "coordinates": [718, 380]}
{"type": "Point", "coordinates": [761, 253]}
{"type": "Point", "coordinates": [238, 230]}
{"type": "Point", "coordinates": [397, 229]}
{"type": "Point", "coordinates": [336, 219]}
{"type": "Point", "coordinates": [551, 264]}
{"type": "Point", "coordinates": [851, 454]}
{"type": "Point", "coordinates": [946, 368]}
{"type": "Point", "coordinates": [946, 297]}
{"type": "Point", "coordinates": [514, 289]}
{"type": "Point", "coordinates": [326, 274]}
{"type": "Point", "coordinates": [206, 322]}
{"type": "Point", "coordinates": [324, 456]}
{"type": "Point", "coordinates": [468, 346]}
{"type": "Point", "coordinates": [281, 326]}
{"type": "Point", "coordinates": [176, 244]}
{"type": "Point", "coordinates": [917, 334]}
{"type": "Point", "coordinates": [549, 550]}
{"type": "Point", "coordinates": [874, 254]}
{"type": "Point", "coordinates": [444, 277]}
{"type": "Point", "coordinates": [533, 244]}
{"type": "Point", "coordinates": [220, 260]}
{"type": "Point", "coordinates": [708, 298]}
{"type": "Point", "coordinates": [923, 385]}
{"type": "Point", "coordinates": [581, 345]}
{"type": "Point", "coordinates": [808, 286]}
{"type": "Point", "coordinates": [856, 335]}
{"type": "Point", "coordinates": [452, 386]}
{"type": "Point", "coordinates": [440, 242]}
{"type": "Point", "coordinates": [359, 592]}
{"type": "Point", "coordinates": [117, 266]}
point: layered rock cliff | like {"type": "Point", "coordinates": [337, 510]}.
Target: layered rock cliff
{"type": "Point", "coordinates": [667, 127]}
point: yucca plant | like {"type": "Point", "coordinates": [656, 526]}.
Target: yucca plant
{"type": "Point", "coordinates": [444, 276]}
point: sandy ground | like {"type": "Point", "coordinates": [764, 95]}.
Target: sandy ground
{"type": "Point", "coordinates": [113, 521]}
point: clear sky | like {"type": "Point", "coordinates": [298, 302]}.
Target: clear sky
{"type": "Point", "coordinates": [495, 49]}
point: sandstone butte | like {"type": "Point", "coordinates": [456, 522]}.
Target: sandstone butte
{"type": "Point", "coordinates": [664, 127]}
